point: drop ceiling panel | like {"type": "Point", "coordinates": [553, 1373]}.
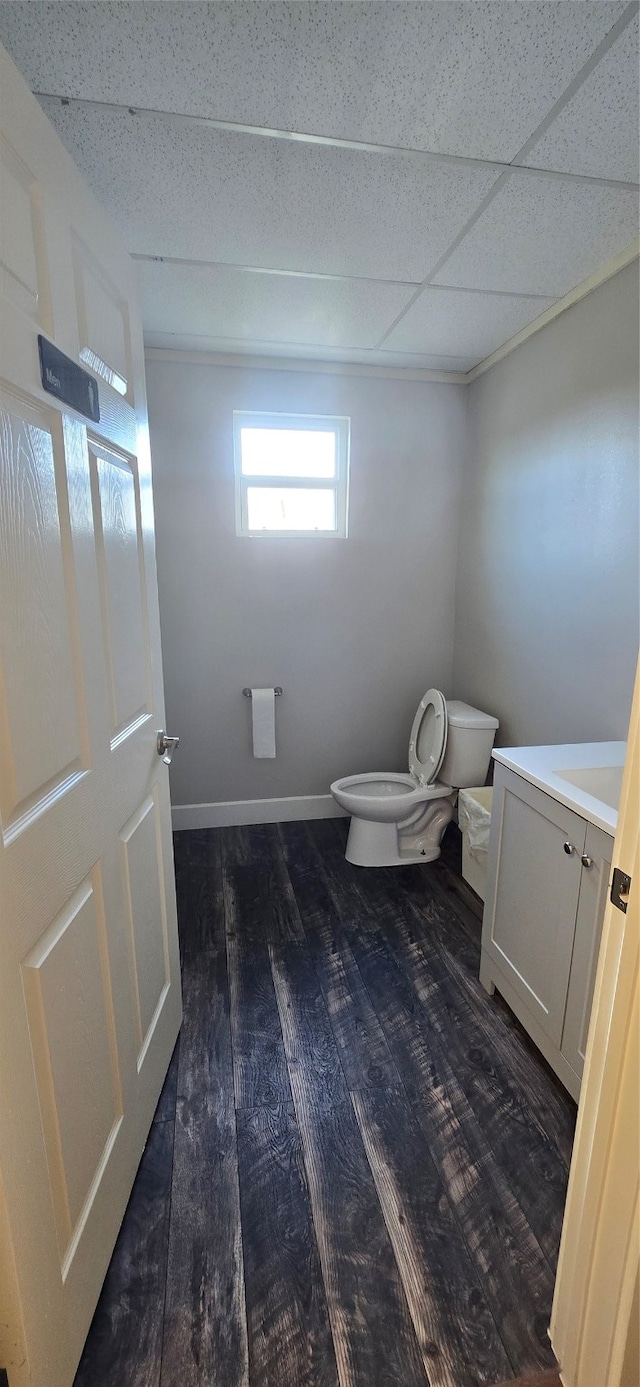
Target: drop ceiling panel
{"type": "Point", "coordinates": [463, 323]}
{"type": "Point", "coordinates": [461, 78]}
{"type": "Point", "coordinates": [472, 79]}
{"type": "Point", "coordinates": [181, 189]}
{"type": "Point", "coordinates": [542, 236]}
{"type": "Point", "coordinates": [235, 304]}
{"type": "Point", "coordinates": [360, 356]}
{"type": "Point", "coordinates": [596, 133]}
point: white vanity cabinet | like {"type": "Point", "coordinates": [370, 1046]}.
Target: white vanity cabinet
{"type": "Point", "coordinates": [547, 880]}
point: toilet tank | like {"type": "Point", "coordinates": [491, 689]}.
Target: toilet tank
{"type": "Point", "coordinates": [470, 737]}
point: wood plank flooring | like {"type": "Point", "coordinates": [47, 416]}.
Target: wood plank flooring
{"type": "Point", "coordinates": [357, 1170]}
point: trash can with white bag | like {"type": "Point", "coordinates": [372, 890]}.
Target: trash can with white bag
{"type": "Point", "coordinates": [474, 819]}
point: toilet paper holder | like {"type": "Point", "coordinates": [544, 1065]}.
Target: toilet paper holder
{"type": "Point", "coordinates": [277, 692]}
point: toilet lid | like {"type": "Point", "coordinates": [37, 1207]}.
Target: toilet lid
{"type": "Point", "coordinates": [428, 737]}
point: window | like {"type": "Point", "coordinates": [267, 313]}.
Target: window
{"type": "Point", "coordinates": [291, 474]}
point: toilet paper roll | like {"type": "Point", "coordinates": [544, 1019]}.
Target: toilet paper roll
{"type": "Point", "coordinates": [263, 712]}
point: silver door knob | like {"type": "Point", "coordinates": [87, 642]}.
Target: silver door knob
{"type": "Point", "coordinates": [165, 746]}
{"type": "Point", "coordinates": [569, 848]}
{"type": "Point", "coordinates": [586, 860]}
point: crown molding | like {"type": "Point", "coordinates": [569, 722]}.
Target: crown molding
{"type": "Point", "coordinates": [240, 361]}
{"type": "Point", "coordinates": [612, 267]}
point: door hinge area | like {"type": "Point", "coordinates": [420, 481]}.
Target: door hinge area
{"type": "Point", "coordinates": [620, 888]}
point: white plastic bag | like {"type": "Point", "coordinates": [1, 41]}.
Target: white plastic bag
{"type": "Point", "coordinates": [474, 819]}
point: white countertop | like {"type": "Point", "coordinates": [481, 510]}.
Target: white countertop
{"type": "Point", "coordinates": [541, 766]}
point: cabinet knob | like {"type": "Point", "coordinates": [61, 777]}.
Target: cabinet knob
{"type": "Point", "coordinates": [569, 848]}
{"type": "Point", "coordinates": [586, 860]}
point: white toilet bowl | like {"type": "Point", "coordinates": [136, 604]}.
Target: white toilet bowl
{"type": "Point", "coordinates": [386, 798]}
{"type": "Point", "coordinates": [400, 818]}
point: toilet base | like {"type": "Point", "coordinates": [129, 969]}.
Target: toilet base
{"type": "Point", "coordinates": [379, 845]}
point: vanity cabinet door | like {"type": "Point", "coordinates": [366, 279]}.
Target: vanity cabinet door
{"type": "Point", "coordinates": [533, 891]}
{"type": "Point", "coordinates": [594, 885]}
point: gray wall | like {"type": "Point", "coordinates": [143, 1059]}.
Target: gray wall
{"type": "Point", "coordinates": [547, 590]}
{"type": "Point", "coordinates": [355, 630]}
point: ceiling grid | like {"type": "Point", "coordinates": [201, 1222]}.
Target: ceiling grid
{"type": "Point", "coordinates": [403, 184]}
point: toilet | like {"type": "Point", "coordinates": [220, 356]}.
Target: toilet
{"type": "Point", "coordinates": [398, 819]}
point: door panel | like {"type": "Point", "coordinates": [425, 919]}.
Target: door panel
{"type": "Point", "coordinates": [103, 321]}
{"type": "Point", "coordinates": [89, 984]}
{"type": "Point", "coordinates": [72, 1028]}
{"type": "Point", "coordinates": [41, 739]}
{"type": "Point", "coordinates": [141, 839]}
{"type": "Point", "coordinates": [23, 270]}
{"type": "Point", "coordinates": [119, 553]}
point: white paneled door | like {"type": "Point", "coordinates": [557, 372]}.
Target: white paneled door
{"type": "Point", "coordinates": [89, 975]}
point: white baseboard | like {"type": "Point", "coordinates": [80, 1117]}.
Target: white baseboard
{"type": "Point", "coordinates": [255, 811]}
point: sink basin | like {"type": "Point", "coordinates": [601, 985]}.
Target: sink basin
{"type": "Point", "coordinates": [603, 782]}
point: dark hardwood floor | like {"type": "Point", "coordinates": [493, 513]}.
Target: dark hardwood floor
{"type": "Point", "coordinates": [357, 1170]}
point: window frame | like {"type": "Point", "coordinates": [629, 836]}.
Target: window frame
{"type": "Point", "coordinates": [339, 483]}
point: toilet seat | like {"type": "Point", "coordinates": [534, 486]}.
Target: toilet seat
{"type": "Point", "coordinates": [428, 740]}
